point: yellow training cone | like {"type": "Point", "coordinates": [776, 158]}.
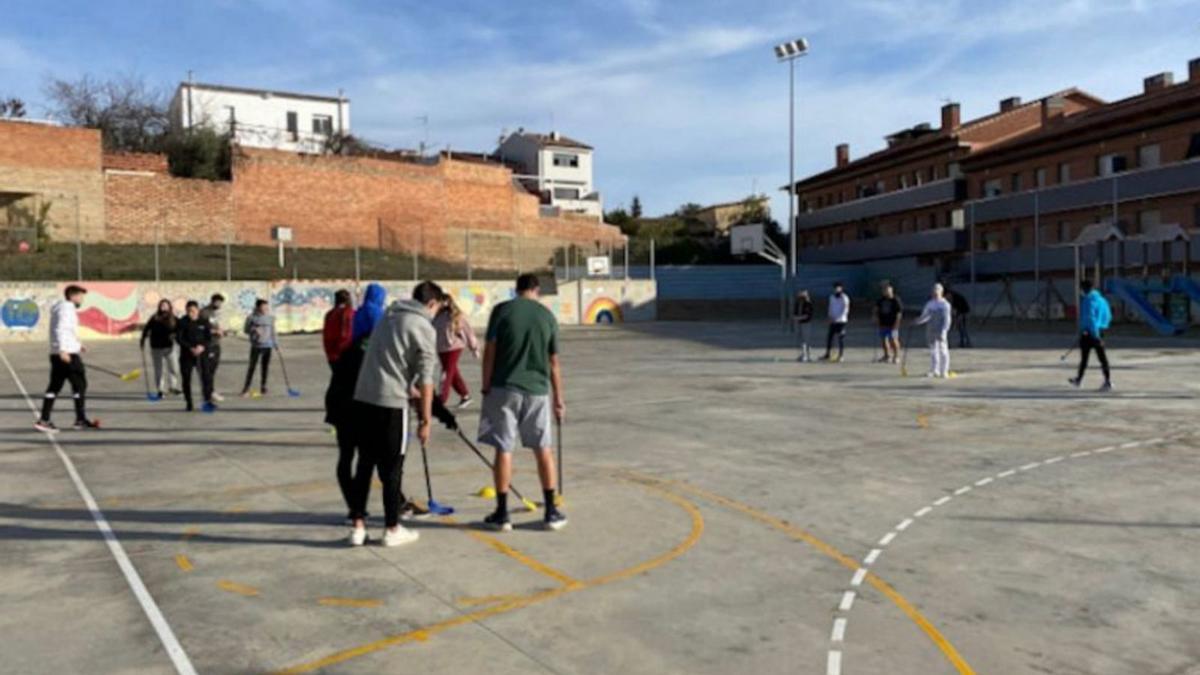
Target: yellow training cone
{"type": "Point", "coordinates": [951, 375]}
{"type": "Point", "coordinates": [487, 492]}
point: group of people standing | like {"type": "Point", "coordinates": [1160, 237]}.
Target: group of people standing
{"type": "Point", "coordinates": [198, 334]}
{"type": "Point", "coordinates": [385, 360]}
{"type": "Point", "coordinates": [939, 315]}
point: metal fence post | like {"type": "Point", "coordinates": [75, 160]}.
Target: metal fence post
{"type": "Point", "coordinates": [653, 277]}
{"type": "Point", "coordinates": [157, 236]}
{"type": "Point", "coordinates": [78, 243]}
{"type": "Point", "coordinates": [357, 263]}
{"type": "Point", "coordinates": [627, 258]}
{"type": "Point", "coordinates": [228, 256]}
{"type": "Point", "coordinates": [468, 254]}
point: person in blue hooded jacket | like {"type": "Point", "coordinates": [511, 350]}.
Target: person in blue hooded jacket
{"type": "Point", "coordinates": [1094, 317]}
{"type": "Point", "coordinates": [339, 397]}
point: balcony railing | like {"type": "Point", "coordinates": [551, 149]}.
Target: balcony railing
{"type": "Point", "coordinates": [1122, 187]}
{"type": "Point", "coordinates": [921, 196]}
{"type": "Point", "coordinates": [896, 246]}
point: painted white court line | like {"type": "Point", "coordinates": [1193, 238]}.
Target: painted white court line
{"type": "Point", "coordinates": [183, 665]}
{"type": "Point", "coordinates": [838, 633]}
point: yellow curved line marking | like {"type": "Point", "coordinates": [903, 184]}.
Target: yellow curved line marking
{"type": "Point", "coordinates": [484, 600]}
{"type": "Point", "coordinates": [882, 586]}
{"type": "Point", "coordinates": [349, 602]}
{"type": "Point", "coordinates": [531, 563]}
{"type": "Point", "coordinates": [183, 562]}
{"type": "Point", "coordinates": [234, 587]}
{"type": "Point", "coordinates": [520, 601]}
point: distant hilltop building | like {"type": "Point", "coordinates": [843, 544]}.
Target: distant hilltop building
{"type": "Point", "coordinates": [261, 118]}
{"type": "Point", "coordinates": [718, 218]}
{"type": "Point", "coordinates": [555, 167]}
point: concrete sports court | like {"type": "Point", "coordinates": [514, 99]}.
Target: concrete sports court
{"type": "Point", "coordinates": [731, 511]}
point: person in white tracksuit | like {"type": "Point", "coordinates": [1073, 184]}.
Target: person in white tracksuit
{"type": "Point", "coordinates": [937, 319]}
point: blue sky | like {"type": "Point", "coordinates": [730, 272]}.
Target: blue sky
{"type": "Point", "coordinates": [682, 100]}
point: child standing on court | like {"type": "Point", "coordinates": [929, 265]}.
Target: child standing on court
{"type": "Point", "coordinates": [454, 334]}
{"type": "Point", "coordinates": [66, 361]}
{"type": "Point", "coordinates": [937, 318]}
{"type": "Point", "coordinates": [160, 330]}
{"type": "Point", "coordinates": [260, 327]}
{"type": "Point", "coordinates": [1095, 315]}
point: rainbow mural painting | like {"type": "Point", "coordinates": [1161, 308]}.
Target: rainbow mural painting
{"type": "Point", "coordinates": [603, 310]}
{"type": "Point", "coordinates": [110, 308]}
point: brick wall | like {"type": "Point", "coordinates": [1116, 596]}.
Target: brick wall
{"type": "Point", "coordinates": [140, 206]}
{"type": "Point", "coordinates": [61, 166]}
{"type": "Point", "coordinates": [135, 161]}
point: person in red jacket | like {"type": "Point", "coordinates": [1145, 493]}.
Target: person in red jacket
{"type": "Point", "coordinates": [339, 323]}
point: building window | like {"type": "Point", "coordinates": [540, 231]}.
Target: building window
{"type": "Point", "coordinates": [230, 118]}
{"type": "Point", "coordinates": [1016, 237]}
{"type": "Point", "coordinates": [1148, 219]}
{"type": "Point", "coordinates": [932, 173]}
{"type": "Point", "coordinates": [991, 241]}
{"type": "Point", "coordinates": [953, 170]}
{"type": "Point", "coordinates": [293, 125]}
{"type": "Point", "coordinates": [1149, 156]}
{"type": "Point", "coordinates": [903, 181]}
{"type": "Point", "coordinates": [933, 221]}
{"type": "Point", "coordinates": [1194, 147]}
{"type": "Point", "coordinates": [1016, 182]}
{"type": "Point", "coordinates": [1064, 232]}
{"type": "Point", "coordinates": [1039, 177]}
{"type": "Point", "coordinates": [1107, 165]}
{"type": "Point", "coordinates": [1064, 173]}
{"type": "Point", "coordinates": [880, 188]}
{"type": "Point", "coordinates": [566, 159]}
{"type": "Point", "coordinates": [993, 187]}
{"type": "Point", "coordinates": [322, 125]}
{"type": "Point", "coordinates": [566, 193]}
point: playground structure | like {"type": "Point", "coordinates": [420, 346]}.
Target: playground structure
{"type": "Point", "coordinates": [1164, 300]}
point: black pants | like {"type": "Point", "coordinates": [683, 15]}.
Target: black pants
{"type": "Point", "coordinates": [1087, 343]}
{"type": "Point", "coordinates": [62, 372]}
{"type": "Point", "coordinates": [351, 483]}
{"type": "Point", "coordinates": [188, 362]}
{"type": "Point", "coordinates": [383, 444]}
{"type": "Point", "coordinates": [964, 340]}
{"type": "Point", "coordinates": [838, 330]}
{"type": "Point", "coordinates": [255, 354]}
{"type": "Point", "coordinates": [212, 357]}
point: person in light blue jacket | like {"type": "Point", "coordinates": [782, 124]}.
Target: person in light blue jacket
{"type": "Point", "coordinates": [1095, 315]}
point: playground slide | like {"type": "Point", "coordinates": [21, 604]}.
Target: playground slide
{"type": "Point", "coordinates": [1132, 296]}
{"type": "Point", "coordinates": [1187, 285]}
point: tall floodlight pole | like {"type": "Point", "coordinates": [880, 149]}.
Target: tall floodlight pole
{"type": "Point", "coordinates": [789, 52]}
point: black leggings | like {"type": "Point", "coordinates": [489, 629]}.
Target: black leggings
{"type": "Point", "coordinates": [255, 354]}
{"type": "Point", "coordinates": [383, 444]}
{"type": "Point", "coordinates": [352, 484]}
{"type": "Point", "coordinates": [1087, 343]}
{"type": "Point", "coordinates": [187, 363]}
{"type": "Point", "coordinates": [60, 373]}
{"type": "Point", "coordinates": [837, 330]}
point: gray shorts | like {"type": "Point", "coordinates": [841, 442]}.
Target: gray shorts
{"type": "Point", "coordinates": [508, 413]}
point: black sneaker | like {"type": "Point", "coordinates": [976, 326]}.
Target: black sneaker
{"type": "Point", "coordinates": [1107, 386]}
{"type": "Point", "coordinates": [46, 426]}
{"type": "Point", "coordinates": [555, 520]}
{"type": "Point", "coordinates": [411, 511]}
{"type": "Point", "coordinates": [1074, 382]}
{"type": "Point", "coordinates": [87, 424]}
{"type": "Point", "coordinates": [498, 521]}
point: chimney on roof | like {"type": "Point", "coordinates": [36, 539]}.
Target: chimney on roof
{"type": "Point", "coordinates": [1010, 103]}
{"type": "Point", "coordinates": [843, 154]}
{"type": "Point", "coordinates": [554, 135]}
{"type": "Point", "coordinates": [951, 117]}
{"type": "Point", "coordinates": [1194, 70]}
{"type": "Point", "coordinates": [1158, 82]}
{"type": "Point", "coordinates": [1054, 108]}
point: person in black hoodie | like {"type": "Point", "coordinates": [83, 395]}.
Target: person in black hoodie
{"type": "Point", "coordinates": [160, 330]}
{"type": "Point", "coordinates": [802, 315]}
{"type": "Point", "coordinates": [195, 337]}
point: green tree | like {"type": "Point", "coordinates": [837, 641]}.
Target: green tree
{"type": "Point", "coordinates": [635, 207]}
{"type": "Point", "coordinates": [201, 152]}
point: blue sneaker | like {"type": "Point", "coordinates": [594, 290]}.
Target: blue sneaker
{"type": "Point", "coordinates": [209, 407]}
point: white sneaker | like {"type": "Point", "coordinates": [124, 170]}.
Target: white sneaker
{"type": "Point", "coordinates": [930, 375]}
{"type": "Point", "coordinates": [399, 536]}
{"type": "Point", "coordinates": [217, 397]}
{"type": "Point", "coordinates": [358, 536]}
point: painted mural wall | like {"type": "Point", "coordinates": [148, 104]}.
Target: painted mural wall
{"type": "Point", "coordinates": [114, 309]}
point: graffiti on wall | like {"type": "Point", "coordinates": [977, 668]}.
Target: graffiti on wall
{"type": "Point", "coordinates": [110, 308]}
{"type": "Point", "coordinates": [607, 302]}
{"type": "Point", "coordinates": [19, 314]}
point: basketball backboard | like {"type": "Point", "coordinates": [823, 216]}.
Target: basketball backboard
{"type": "Point", "coordinates": [747, 239]}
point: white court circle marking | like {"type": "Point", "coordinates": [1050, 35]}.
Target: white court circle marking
{"type": "Point", "coordinates": [838, 634]}
{"type": "Point", "coordinates": [183, 665]}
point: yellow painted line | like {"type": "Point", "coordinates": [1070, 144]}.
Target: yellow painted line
{"type": "Point", "coordinates": [485, 600]}
{"type": "Point", "coordinates": [183, 562]}
{"type": "Point", "coordinates": [234, 587]}
{"type": "Point", "coordinates": [517, 602]}
{"type": "Point", "coordinates": [349, 602]}
{"type": "Point", "coordinates": [952, 655]}
{"type": "Point", "coordinates": [923, 421]}
{"type": "Point", "coordinates": [528, 561]}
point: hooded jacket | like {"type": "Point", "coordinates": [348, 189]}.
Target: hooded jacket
{"type": "Point", "coordinates": [369, 313]}
{"type": "Point", "coordinates": [1094, 313]}
{"type": "Point", "coordinates": [401, 353]}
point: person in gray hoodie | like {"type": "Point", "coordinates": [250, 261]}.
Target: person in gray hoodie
{"type": "Point", "coordinates": [401, 358]}
{"type": "Point", "coordinates": [260, 328]}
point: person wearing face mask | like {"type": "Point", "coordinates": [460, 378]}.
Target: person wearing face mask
{"type": "Point", "coordinates": [195, 338]}
{"type": "Point", "coordinates": [66, 361]}
{"type": "Point", "coordinates": [839, 316]}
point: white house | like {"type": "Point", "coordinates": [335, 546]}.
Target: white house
{"type": "Point", "coordinates": [260, 118]}
{"type": "Point", "coordinates": [554, 166]}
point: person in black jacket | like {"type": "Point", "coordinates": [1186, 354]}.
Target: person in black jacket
{"type": "Point", "coordinates": [160, 330]}
{"type": "Point", "coordinates": [962, 309]}
{"type": "Point", "coordinates": [195, 337]}
{"type": "Point", "coordinates": [802, 314]}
